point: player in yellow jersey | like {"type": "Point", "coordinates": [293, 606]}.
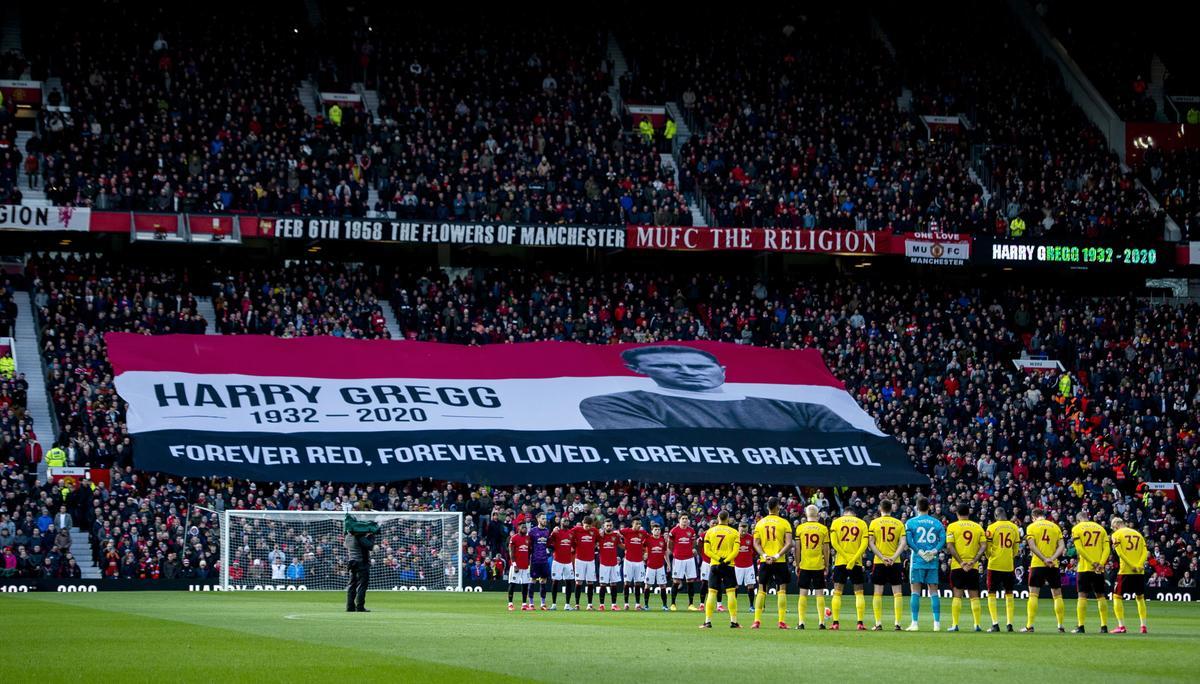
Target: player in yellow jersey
{"type": "Point", "coordinates": [1093, 548]}
{"type": "Point", "coordinates": [1130, 547]}
{"type": "Point", "coordinates": [772, 540]}
{"type": "Point", "coordinates": [812, 558]}
{"type": "Point", "coordinates": [848, 536]}
{"type": "Point", "coordinates": [885, 539]}
{"type": "Point", "coordinates": [1045, 540]}
{"type": "Point", "coordinates": [721, 546]}
{"type": "Point", "coordinates": [1003, 542]}
{"type": "Point", "coordinates": [966, 541]}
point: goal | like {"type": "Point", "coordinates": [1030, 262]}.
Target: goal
{"type": "Point", "coordinates": [306, 550]}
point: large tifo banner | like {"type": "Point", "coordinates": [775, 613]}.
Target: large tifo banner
{"type": "Point", "coordinates": [325, 408]}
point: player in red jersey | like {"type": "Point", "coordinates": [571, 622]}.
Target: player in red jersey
{"type": "Point", "coordinates": [586, 536]}
{"type": "Point", "coordinates": [518, 571]}
{"type": "Point", "coordinates": [633, 539]}
{"type": "Point", "coordinates": [743, 565]}
{"type": "Point", "coordinates": [610, 570]}
{"type": "Point", "coordinates": [562, 569]}
{"type": "Point", "coordinates": [656, 564]}
{"type": "Point", "coordinates": [683, 560]}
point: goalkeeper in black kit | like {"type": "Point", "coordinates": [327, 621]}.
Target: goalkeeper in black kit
{"type": "Point", "coordinates": [359, 540]}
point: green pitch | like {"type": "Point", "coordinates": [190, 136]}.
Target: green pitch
{"type": "Point", "coordinates": [302, 637]}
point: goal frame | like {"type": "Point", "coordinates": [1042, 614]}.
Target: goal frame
{"type": "Point", "coordinates": [364, 515]}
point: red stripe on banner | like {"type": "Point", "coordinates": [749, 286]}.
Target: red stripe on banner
{"type": "Point", "coordinates": [337, 358]}
{"type": "Point", "coordinates": [109, 222]}
{"type": "Point", "coordinates": [153, 223]}
{"type": "Point", "coordinates": [210, 225]}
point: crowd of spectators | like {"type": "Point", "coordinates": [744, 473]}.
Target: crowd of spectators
{"type": "Point", "coordinates": [1115, 56]}
{"type": "Point", "coordinates": [931, 362]}
{"type": "Point", "coordinates": [190, 109]}
{"type": "Point", "coordinates": [299, 300]}
{"type": "Point", "coordinates": [1041, 159]}
{"type": "Point", "coordinates": [796, 123]}
{"type": "Point", "coordinates": [79, 299]}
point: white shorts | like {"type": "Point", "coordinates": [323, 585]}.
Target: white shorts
{"type": "Point", "coordinates": [610, 574]}
{"type": "Point", "coordinates": [585, 571]}
{"type": "Point", "coordinates": [561, 571]}
{"type": "Point", "coordinates": [745, 576]}
{"type": "Point", "coordinates": [684, 569]}
{"type": "Point", "coordinates": [656, 576]}
{"type": "Point", "coordinates": [704, 569]}
{"type": "Point", "coordinates": [518, 576]}
{"type": "Point", "coordinates": [635, 572]}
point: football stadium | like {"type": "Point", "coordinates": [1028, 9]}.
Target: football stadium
{"type": "Point", "coordinates": [540, 343]}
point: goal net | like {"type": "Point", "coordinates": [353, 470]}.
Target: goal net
{"type": "Point", "coordinates": [306, 549]}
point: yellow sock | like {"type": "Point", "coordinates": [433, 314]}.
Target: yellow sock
{"type": "Point", "coordinates": [709, 604]}
{"type": "Point", "coordinates": [781, 604]}
{"type": "Point", "coordinates": [821, 608]}
{"type": "Point", "coordinates": [731, 603]}
{"type": "Point", "coordinates": [976, 610]}
{"type": "Point", "coordinates": [955, 610]}
{"type": "Point", "coordinates": [1102, 604]}
{"type": "Point", "coordinates": [760, 600]}
{"type": "Point", "coordinates": [1119, 609]}
{"type": "Point", "coordinates": [993, 609]}
{"type": "Point", "coordinates": [802, 606]}
{"type": "Point", "coordinates": [837, 606]}
{"type": "Point", "coordinates": [860, 605]}
{"type": "Point", "coordinates": [898, 605]}
{"type": "Point", "coordinates": [1060, 609]}
{"type": "Point", "coordinates": [1141, 603]}
{"type": "Point", "coordinates": [1010, 607]}
{"type": "Point", "coordinates": [877, 608]}
{"type": "Point", "coordinates": [1031, 609]}
{"type": "Point", "coordinates": [1080, 611]}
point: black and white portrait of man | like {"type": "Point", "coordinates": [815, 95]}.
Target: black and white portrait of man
{"type": "Point", "coordinates": [690, 393]}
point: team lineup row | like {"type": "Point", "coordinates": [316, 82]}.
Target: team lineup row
{"type": "Point", "coordinates": [633, 559]}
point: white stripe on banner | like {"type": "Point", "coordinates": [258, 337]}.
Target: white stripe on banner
{"type": "Point", "coordinates": [169, 400]}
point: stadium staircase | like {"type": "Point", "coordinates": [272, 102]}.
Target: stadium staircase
{"type": "Point", "coordinates": [204, 307]}
{"type": "Point", "coordinates": [29, 362]}
{"type": "Point", "coordinates": [312, 11]}
{"type": "Point", "coordinates": [10, 29]}
{"type": "Point", "coordinates": [81, 548]}
{"type": "Point", "coordinates": [389, 317]}
{"type": "Point", "coordinates": [619, 67]}
{"type": "Point", "coordinates": [308, 98]}
{"type": "Point", "coordinates": [370, 99]}
{"type": "Point", "coordinates": [35, 197]}
{"type": "Point", "coordinates": [1157, 89]}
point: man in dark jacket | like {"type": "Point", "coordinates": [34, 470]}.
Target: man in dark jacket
{"type": "Point", "coordinates": [358, 558]}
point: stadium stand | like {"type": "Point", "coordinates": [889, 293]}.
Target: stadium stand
{"type": "Point", "coordinates": [931, 363]}
{"type": "Point", "coordinates": [797, 121]}
{"type": "Point", "coordinates": [1042, 160]}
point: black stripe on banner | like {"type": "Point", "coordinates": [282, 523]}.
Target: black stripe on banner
{"type": "Point", "coordinates": [501, 457]}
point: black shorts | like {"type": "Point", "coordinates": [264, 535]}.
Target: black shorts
{"type": "Point", "coordinates": [775, 574]}
{"type": "Point", "coordinates": [1092, 583]}
{"type": "Point", "coordinates": [1001, 580]}
{"type": "Point", "coordinates": [1131, 585]}
{"type": "Point", "coordinates": [842, 575]}
{"type": "Point", "coordinates": [883, 575]}
{"type": "Point", "coordinates": [1045, 577]}
{"type": "Point", "coordinates": [813, 580]}
{"type": "Point", "coordinates": [964, 580]}
{"type": "Point", "coordinates": [721, 577]}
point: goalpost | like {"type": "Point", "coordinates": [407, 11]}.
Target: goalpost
{"type": "Point", "coordinates": [305, 549]}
